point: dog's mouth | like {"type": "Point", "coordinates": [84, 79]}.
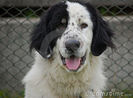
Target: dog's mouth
{"type": "Point", "coordinates": [73, 63]}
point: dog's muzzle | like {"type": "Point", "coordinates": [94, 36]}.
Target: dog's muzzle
{"type": "Point", "coordinates": [73, 62]}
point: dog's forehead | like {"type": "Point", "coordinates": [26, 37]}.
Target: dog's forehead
{"type": "Point", "coordinates": [77, 10]}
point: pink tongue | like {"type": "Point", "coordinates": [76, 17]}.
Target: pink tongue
{"type": "Point", "coordinates": [72, 63]}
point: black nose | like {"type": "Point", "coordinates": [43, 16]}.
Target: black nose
{"type": "Point", "coordinates": [72, 45]}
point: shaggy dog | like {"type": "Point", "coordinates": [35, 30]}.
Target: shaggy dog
{"type": "Point", "coordinates": [69, 41]}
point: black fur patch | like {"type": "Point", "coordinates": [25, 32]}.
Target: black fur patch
{"type": "Point", "coordinates": [102, 34]}
{"type": "Point", "coordinates": [48, 22]}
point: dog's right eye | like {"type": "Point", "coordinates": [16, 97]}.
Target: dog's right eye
{"type": "Point", "coordinates": [62, 23]}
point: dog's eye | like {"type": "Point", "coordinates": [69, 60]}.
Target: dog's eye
{"type": "Point", "coordinates": [83, 25]}
{"type": "Point", "coordinates": [62, 23]}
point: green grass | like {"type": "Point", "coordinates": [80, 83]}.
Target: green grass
{"type": "Point", "coordinates": [8, 94]}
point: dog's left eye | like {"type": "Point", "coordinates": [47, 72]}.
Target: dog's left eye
{"type": "Point", "coordinates": [83, 25]}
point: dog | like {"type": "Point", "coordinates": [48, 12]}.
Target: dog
{"type": "Point", "coordinates": [69, 42]}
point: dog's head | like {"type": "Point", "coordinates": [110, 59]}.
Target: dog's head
{"type": "Point", "coordinates": [74, 29]}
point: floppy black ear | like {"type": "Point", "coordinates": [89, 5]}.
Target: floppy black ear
{"type": "Point", "coordinates": [40, 33]}
{"type": "Point", "coordinates": [102, 37]}
{"type": "Point", "coordinates": [102, 34]}
{"type": "Point", "coordinates": [45, 34]}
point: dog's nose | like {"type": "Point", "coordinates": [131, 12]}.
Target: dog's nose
{"type": "Point", "coordinates": [72, 45]}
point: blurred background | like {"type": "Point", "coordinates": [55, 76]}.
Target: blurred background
{"type": "Point", "coordinates": [17, 19]}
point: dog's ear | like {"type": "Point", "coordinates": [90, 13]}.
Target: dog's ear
{"type": "Point", "coordinates": [102, 37]}
{"type": "Point", "coordinates": [45, 34]}
{"type": "Point", "coordinates": [102, 34]}
{"type": "Point", "coordinates": [39, 34]}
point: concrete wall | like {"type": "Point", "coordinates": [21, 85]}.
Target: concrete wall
{"type": "Point", "coordinates": [51, 2]}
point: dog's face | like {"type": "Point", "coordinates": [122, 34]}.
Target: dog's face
{"type": "Point", "coordinates": [76, 39]}
{"type": "Point", "coordinates": [75, 30]}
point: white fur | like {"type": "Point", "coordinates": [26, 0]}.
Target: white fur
{"type": "Point", "coordinates": [51, 79]}
{"type": "Point", "coordinates": [78, 15]}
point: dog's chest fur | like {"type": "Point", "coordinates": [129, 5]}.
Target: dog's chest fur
{"type": "Point", "coordinates": [67, 84]}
